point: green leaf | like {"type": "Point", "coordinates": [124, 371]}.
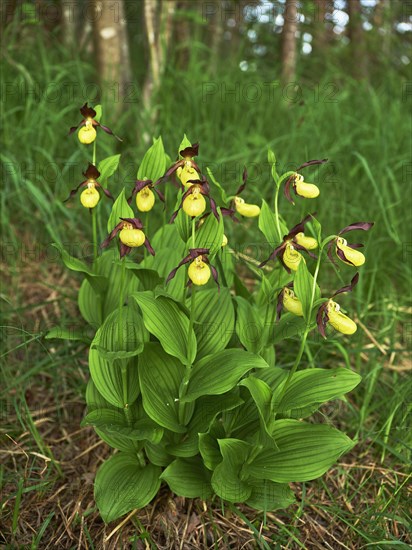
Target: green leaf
{"type": "Point", "coordinates": [165, 260]}
{"type": "Point", "coordinates": [158, 455]}
{"type": "Point", "coordinates": [122, 485]}
{"type": "Point", "coordinates": [164, 319]}
{"type": "Point", "coordinates": [187, 477]}
{"type": "Point", "coordinates": [61, 333]}
{"type": "Point", "coordinates": [98, 283]}
{"type": "Point", "coordinates": [305, 452]}
{"type": "Point", "coordinates": [267, 224]}
{"type": "Point", "coordinates": [160, 377]}
{"type": "Point", "coordinates": [214, 320]}
{"type": "Point", "coordinates": [272, 162]}
{"type": "Point", "coordinates": [114, 422]}
{"type": "Point", "coordinates": [226, 480]}
{"type": "Point", "coordinates": [210, 234]}
{"type": "Point", "coordinates": [302, 285]}
{"type": "Point", "coordinates": [216, 184]}
{"type": "Point", "coordinates": [262, 395]}
{"type": "Point", "coordinates": [209, 450]}
{"type": "Point", "coordinates": [120, 209]}
{"type": "Point", "coordinates": [249, 325]}
{"type": "Point", "coordinates": [98, 109]}
{"type": "Point", "coordinates": [129, 341]}
{"type": "Point", "coordinates": [183, 225]}
{"type": "Point", "coordinates": [149, 278]}
{"type": "Point", "coordinates": [315, 386]}
{"type": "Point", "coordinates": [185, 143]}
{"type": "Point", "coordinates": [268, 496]}
{"type": "Point", "coordinates": [107, 167]}
{"type": "Point", "coordinates": [288, 326]}
{"type": "Point", "coordinates": [220, 372]}
{"type": "Point", "coordinates": [153, 165]}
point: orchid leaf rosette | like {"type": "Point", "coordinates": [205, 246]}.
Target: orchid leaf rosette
{"type": "Point", "coordinates": [192, 383]}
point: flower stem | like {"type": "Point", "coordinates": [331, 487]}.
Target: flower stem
{"type": "Point", "coordinates": [120, 333]}
{"type": "Point", "coordinates": [94, 152]}
{"type": "Point", "coordinates": [277, 214]}
{"type": "Point", "coordinates": [186, 378]}
{"type": "Point", "coordinates": [193, 232]}
{"type": "Point", "coordinates": [94, 229]}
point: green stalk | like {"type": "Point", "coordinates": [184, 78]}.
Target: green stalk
{"type": "Point", "coordinates": [120, 333]}
{"type": "Point", "coordinates": [94, 152]}
{"type": "Point", "coordinates": [94, 229]}
{"type": "Point", "coordinates": [277, 213]}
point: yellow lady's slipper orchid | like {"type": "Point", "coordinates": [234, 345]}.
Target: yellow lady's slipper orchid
{"type": "Point", "coordinates": [145, 199]}
{"type": "Point", "coordinates": [303, 189]}
{"type": "Point", "coordinates": [87, 134]}
{"type": "Point", "coordinates": [291, 303]}
{"type": "Point", "coordinates": [90, 196]}
{"type": "Point", "coordinates": [307, 242]}
{"type": "Point", "coordinates": [132, 237]}
{"type": "Point", "coordinates": [224, 240]}
{"type": "Point", "coordinates": [194, 204]}
{"type": "Point", "coordinates": [199, 272]}
{"type": "Point", "coordinates": [245, 209]}
{"type": "Point", "coordinates": [339, 320]}
{"type": "Point", "coordinates": [350, 255]}
{"type": "Point", "coordinates": [188, 172]}
{"type": "Point", "coordinates": [291, 257]}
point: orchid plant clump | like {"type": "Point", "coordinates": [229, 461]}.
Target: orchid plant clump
{"type": "Point", "coordinates": [179, 388]}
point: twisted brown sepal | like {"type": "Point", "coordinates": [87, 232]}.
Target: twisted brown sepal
{"type": "Point", "coordinates": [91, 173]}
{"type": "Point", "coordinates": [349, 287]}
{"type": "Point", "coordinates": [89, 112]}
{"type": "Point", "coordinates": [191, 151]}
{"type": "Point", "coordinates": [363, 226]}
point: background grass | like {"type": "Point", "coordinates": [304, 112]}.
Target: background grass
{"type": "Point", "coordinates": [48, 463]}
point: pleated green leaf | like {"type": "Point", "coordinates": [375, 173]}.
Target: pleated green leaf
{"type": "Point", "coordinates": [98, 282]}
{"type": "Point", "coordinates": [220, 372]}
{"type": "Point", "coordinates": [249, 325]}
{"type": "Point", "coordinates": [210, 234]}
{"type": "Point", "coordinates": [160, 377]}
{"type": "Point", "coordinates": [165, 260]}
{"type": "Point", "coordinates": [62, 333]}
{"type": "Point", "coordinates": [153, 165]}
{"type": "Point", "coordinates": [226, 480]}
{"type": "Point", "coordinates": [122, 485]}
{"type": "Point", "coordinates": [120, 209]}
{"type": "Point", "coordinates": [261, 394]}
{"type": "Point", "coordinates": [214, 320]}
{"type": "Point", "coordinates": [114, 422]}
{"type": "Point", "coordinates": [315, 386]}
{"type": "Point", "coordinates": [306, 451]}
{"type": "Point", "coordinates": [302, 285]}
{"type": "Point", "coordinates": [267, 224]}
{"type": "Point", "coordinates": [163, 318]}
{"type": "Point", "coordinates": [107, 167]}
{"type": "Point", "coordinates": [268, 496]}
{"type": "Point", "coordinates": [188, 477]}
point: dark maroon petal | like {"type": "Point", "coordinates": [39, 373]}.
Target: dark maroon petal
{"type": "Point", "coordinates": [124, 249]}
{"type": "Point", "coordinates": [111, 235]}
{"type": "Point", "coordinates": [87, 111]}
{"type": "Point", "coordinates": [300, 247]}
{"type": "Point", "coordinates": [329, 253]}
{"type": "Point", "coordinates": [137, 224]}
{"type": "Point", "coordinates": [74, 191]}
{"type": "Point", "coordinates": [349, 287]}
{"type": "Point", "coordinates": [287, 189]}
{"type": "Point", "coordinates": [229, 212]}
{"type": "Point", "coordinates": [191, 151]}
{"type": "Point", "coordinates": [195, 252]}
{"type": "Point", "coordinates": [341, 255]}
{"type": "Point", "coordinates": [92, 173]}
{"type": "Point", "coordinates": [74, 128]}
{"type": "Point", "coordinates": [299, 228]}
{"type": "Point", "coordinates": [106, 192]}
{"type": "Point", "coordinates": [322, 318]}
{"type": "Point", "coordinates": [171, 170]}
{"type": "Point", "coordinates": [215, 275]}
{"type": "Point", "coordinates": [244, 179]}
{"type": "Point", "coordinates": [311, 163]}
{"type": "Point", "coordinates": [159, 194]}
{"type": "Point", "coordinates": [172, 274]}
{"type": "Point", "coordinates": [149, 247]}
{"type": "Point", "coordinates": [108, 131]}
{"type": "Point", "coordinates": [279, 304]}
{"type": "Point", "coordinates": [174, 215]}
{"type": "Point", "coordinates": [355, 245]}
{"type": "Point", "coordinates": [214, 208]}
{"type": "Point", "coordinates": [363, 226]}
{"type": "Point", "coordinates": [277, 250]}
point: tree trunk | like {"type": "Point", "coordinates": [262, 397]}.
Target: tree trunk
{"type": "Point", "coordinates": [111, 48]}
{"type": "Point", "coordinates": [357, 40]}
{"type": "Point", "coordinates": [320, 38]}
{"type": "Point", "coordinates": [290, 27]}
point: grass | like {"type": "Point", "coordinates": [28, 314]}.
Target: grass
{"type": "Point", "coordinates": [48, 461]}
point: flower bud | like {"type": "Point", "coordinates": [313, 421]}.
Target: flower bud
{"type": "Point", "coordinates": [291, 257]}
{"type": "Point", "coordinates": [224, 240]}
{"type": "Point", "coordinates": [145, 199]}
{"type": "Point", "coordinates": [245, 209]}
{"type": "Point", "coordinates": [188, 172]}
{"type": "Point", "coordinates": [87, 134]}
{"type": "Point", "coordinates": [194, 204]}
{"type": "Point", "coordinates": [130, 236]}
{"type": "Point", "coordinates": [339, 320]}
{"type": "Point", "coordinates": [306, 190]}
{"type": "Point", "coordinates": [291, 303]}
{"type": "Point", "coordinates": [199, 272]}
{"type": "Point", "coordinates": [353, 257]}
{"type": "Point", "coordinates": [90, 196]}
{"type": "Point", "coordinates": [307, 242]}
